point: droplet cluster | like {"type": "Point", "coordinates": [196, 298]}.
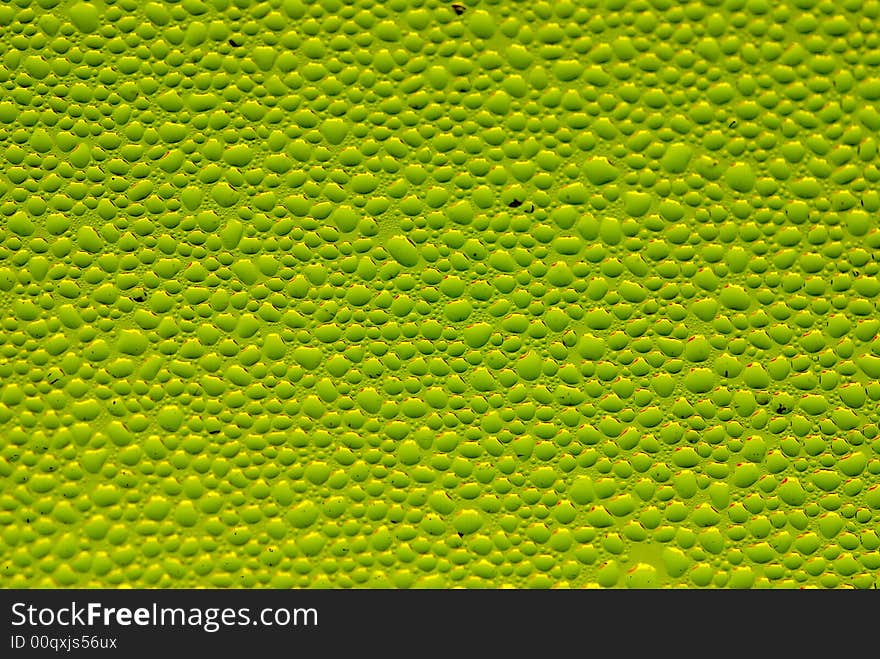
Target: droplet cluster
{"type": "Point", "coordinates": [417, 293]}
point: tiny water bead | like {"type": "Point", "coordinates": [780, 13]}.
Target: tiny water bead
{"type": "Point", "coordinates": [415, 294]}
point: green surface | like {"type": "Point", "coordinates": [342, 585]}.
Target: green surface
{"type": "Point", "coordinates": [421, 294]}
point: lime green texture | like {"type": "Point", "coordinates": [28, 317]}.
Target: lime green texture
{"type": "Point", "coordinates": [411, 293]}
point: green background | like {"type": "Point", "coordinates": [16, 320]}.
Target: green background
{"type": "Point", "coordinates": [377, 294]}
